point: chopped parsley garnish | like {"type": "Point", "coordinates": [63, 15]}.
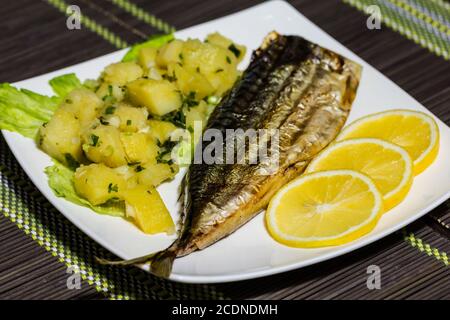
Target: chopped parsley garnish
{"type": "Point", "coordinates": [94, 140]}
{"type": "Point", "coordinates": [235, 50]}
{"type": "Point", "coordinates": [134, 163]}
{"type": "Point", "coordinates": [170, 78]}
{"type": "Point", "coordinates": [190, 95]}
{"type": "Point", "coordinates": [228, 59]}
{"type": "Point", "coordinates": [71, 162]}
{"type": "Point", "coordinates": [69, 101]}
{"type": "Point", "coordinates": [164, 161]}
{"type": "Point", "coordinates": [113, 188]}
{"type": "Point", "coordinates": [109, 98]}
{"type": "Point", "coordinates": [219, 70]}
{"type": "Point", "coordinates": [139, 168]}
{"type": "Point", "coordinates": [110, 110]}
{"type": "Point", "coordinates": [129, 122]}
{"type": "Point", "coordinates": [181, 56]}
{"type": "Point", "coordinates": [165, 149]}
{"type": "Point", "coordinates": [197, 69]}
{"type": "Point", "coordinates": [176, 117]}
{"type": "Point", "coordinates": [103, 121]}
{"type": "Point", "coordinates": [189, 100]}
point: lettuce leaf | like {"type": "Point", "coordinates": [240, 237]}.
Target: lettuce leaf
{"type": "Point", "coordinates": [24, 111]}
{"type": "Point", "coordinates": [62, 85]}
{"type": "Point", "coordinates": [152, 42]}
{"type": "Point", "coordinates": [60, 179]}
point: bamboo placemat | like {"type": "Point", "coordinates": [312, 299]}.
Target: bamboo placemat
{"type": "Point", "coordinates": [414, 262]}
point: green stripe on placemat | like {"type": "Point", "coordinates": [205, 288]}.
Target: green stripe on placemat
{"type": "Point", "coordinates": [92, 26]}
{"type": "Point", "coordinates": [425, 247]}
{"type": "Point", "coordinates": [143, 16]}
{"type": "Point", "coordinates": [426, 22]}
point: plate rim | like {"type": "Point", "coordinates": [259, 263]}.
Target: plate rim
{"type": "Point", "coordinates": [243, 275]}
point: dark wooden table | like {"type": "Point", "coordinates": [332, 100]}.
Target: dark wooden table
{"type": "Point", "coordinates": [35, 40]}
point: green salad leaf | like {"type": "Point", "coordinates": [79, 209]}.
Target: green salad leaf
{"type": "Point", "coordinates": [62, 85]}
{"type": "Point", "coordinates": [60, 179]}
{"type": "Point", "coordinates": [24, 111]}
{"type": "Point", "coordinates": [153, 42]}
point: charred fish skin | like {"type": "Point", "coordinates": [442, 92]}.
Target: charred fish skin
{"type": "Point", "coordinates": [292, 85]}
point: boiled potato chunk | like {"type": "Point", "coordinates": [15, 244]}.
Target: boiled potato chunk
{"type": "Point", "coordinates": [139, 147]}
{"type": "Point", "coordinates": [147, 57]}
{"type": "Point", "coordinates": [215, 63]}
{"type": "Point", "coordinates": [102, 144]}
{"type": "Point", "coordinates": [107, 91]}
{"type": "Point", "coordinates": [98, 183]}
{"type": "Point", "coordinates": [83, 104]}
{"type": "Point", "coordinates": [224, 42]}
{"type": "Point", "coordinates": [60, 138]}
{"type": "Point", "coordinates": [155, 174]}
{"type": "Point", "coordinates": [159, 96]}
{"type": "Point", "coordinates": [198, 113]}
{"type": "Point", "coordinates": [145, 205]}
{"type": "Point", "coordinates": [190, 81]}
{"type": "Point", "coordinates": [155, 73]}
{"type": "Point", "coordinates": [131, 119]}
{"type": "Point", "coordinates": [170, 52]}
{"type": "Point", "coordinates": [161, 130]}
{"type": "Point", "coordinates": [223, 81]}
{"type": "Point", "coordinates": [121, 73]}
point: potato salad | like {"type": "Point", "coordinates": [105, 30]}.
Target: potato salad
{"type": "Point", "coordinates": [116, 132]}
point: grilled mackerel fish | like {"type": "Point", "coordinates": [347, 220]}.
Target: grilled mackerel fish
{"type": "Point", "coordinates": [292, 85]}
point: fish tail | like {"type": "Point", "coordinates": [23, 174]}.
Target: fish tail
{"type": "Point", "coordinates": [162, 262]}
{"type": "Point", "coordinates": [136, 261]}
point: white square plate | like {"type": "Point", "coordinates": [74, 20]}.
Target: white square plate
{"type": "Point", "coordinates": [249, 252]}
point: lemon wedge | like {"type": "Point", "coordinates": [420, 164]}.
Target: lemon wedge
{"type": "Point", "coordinates": [414, 131]}
{"type": "Point", "coordinates": [387, 164]}
{"type": "Point", "coordinates": [324, 209]}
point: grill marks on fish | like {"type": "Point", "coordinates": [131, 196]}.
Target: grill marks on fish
{"type": "Point", "coordinates": [292, 85]}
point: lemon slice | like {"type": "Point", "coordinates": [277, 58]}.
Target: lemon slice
{"type": "Point", "coordinates": [414, 131]}
{"type": "Point", "coordinates": [387, 164]}
{"type": "Point", "coordinates": [324, 209]}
